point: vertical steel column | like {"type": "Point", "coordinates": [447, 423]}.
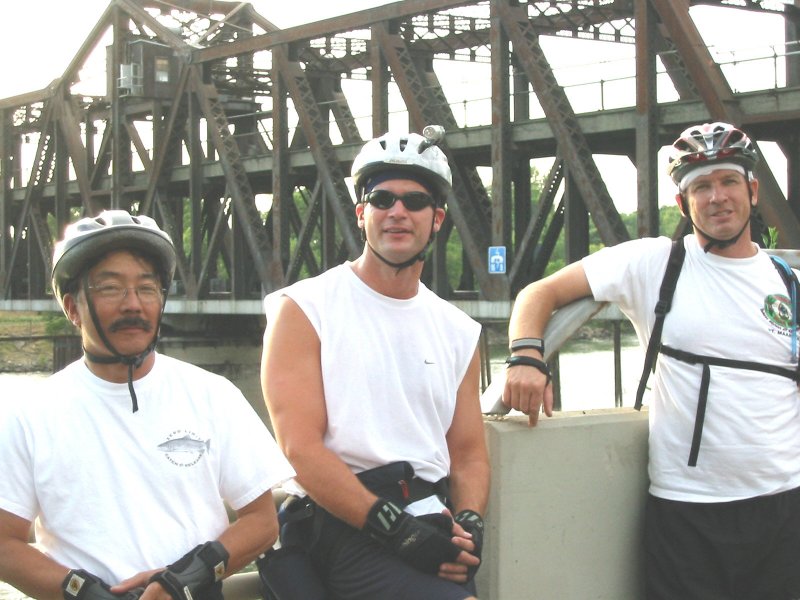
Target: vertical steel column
{"type": "Point", "coordinates": [118, 152]}
{"type": "Point", "coordinates": [647, 116]}
{"type": "Point", "coordinates": [281, 188]}
{"type": "Point", "coordinates": [521, 169]}
{"type": "Point", "coordinates": [379, 77]}
{"type": "Point", "coordinates": [6, 184]}
{"type": "Point", "coordinates": [576, 221]}
{"type": "Point", "coordinates": [501, 134]}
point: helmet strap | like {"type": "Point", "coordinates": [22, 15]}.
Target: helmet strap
{"type": "Point", "coordinates": [132, 361]}
{"type": "Point", "coordinates": [419, 257]}
{"type": "Point", "coordinates": [716, 242]}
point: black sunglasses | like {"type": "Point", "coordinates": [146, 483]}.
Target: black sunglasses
{"type": "Point", "coordinates": [385, 199]}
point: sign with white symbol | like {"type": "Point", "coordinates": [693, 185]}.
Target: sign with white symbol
{"type": "Point", "coordinates": [497, 259]}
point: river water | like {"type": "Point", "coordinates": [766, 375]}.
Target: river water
{"type": "Point", "coordinates": [587, 382]}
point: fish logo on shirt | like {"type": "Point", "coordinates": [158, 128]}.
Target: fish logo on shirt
{"type": "Point", "coordinates": [184, 448]}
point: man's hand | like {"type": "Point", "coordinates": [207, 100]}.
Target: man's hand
{"type": "Point", "coordinates": [472, 523]}
{"type": "Point", "coordinates": [424, 542]}
{"type": "Point", "coordinates": [152, 591]}
{"type": "Point", "coordinates": [528, 390]}
{"type": "Point", "coordinates": [82, 585]}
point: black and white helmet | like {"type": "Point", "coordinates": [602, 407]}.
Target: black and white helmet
{"type": "Point", "coordinates": [89, 239]}
{"type": "Point", "coordinates": [710, 143]}
{"type": "Point", "coordinates": [417, 155]}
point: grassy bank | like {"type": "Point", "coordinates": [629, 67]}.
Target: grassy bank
{"type": "Point", "coordinates": [20, 355]}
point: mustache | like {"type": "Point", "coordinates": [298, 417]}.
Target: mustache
{"type": "Point", "coordinates": [130, 322]}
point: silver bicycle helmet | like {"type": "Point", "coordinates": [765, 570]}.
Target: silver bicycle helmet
{"type": "Point", "coordinates": [710, 143]}
{"type": "Point", "coordinates": [89, 239]}
{"type": "Point", "coordinates": [415, 154]}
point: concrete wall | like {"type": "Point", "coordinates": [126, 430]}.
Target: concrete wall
{"type": "Point", "coordinates": [566, 507]}
{"type": "Point", "coordinates": [567, 499]}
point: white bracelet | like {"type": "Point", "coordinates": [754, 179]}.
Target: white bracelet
{"type": "Point", "coordinates": [526, 343]}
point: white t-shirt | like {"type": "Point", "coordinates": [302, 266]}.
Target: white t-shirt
{"type": "Point", "coordinates": [391, 369]}
{"type": "Point", "coordinates": [726, 308]}
{"type": "Point", "coordinates": [116, 492]}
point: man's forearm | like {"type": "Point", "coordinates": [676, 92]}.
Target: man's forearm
{"type": "Point", "coordinates": [469, 486]}
{"type": "Point", "coordinates": [31, 571]}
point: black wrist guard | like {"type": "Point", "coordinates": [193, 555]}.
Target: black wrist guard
{"type": "Point", "coordinates": [472, 523]}
{"type": "Point", "coordinates": [422, 542]}
{"type": "Point", "coordinates": [529, 361]}
{"type": "Point", "coordinates": [195, 571]}
{"type": "Point", "coordinates": [82, 585]}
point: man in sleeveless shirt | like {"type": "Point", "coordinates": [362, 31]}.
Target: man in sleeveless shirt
{"type": "Point", "coordinates": [372, 386]}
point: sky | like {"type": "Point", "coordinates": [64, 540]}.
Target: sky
{"type": "Point", "coordinates": [42, 36]}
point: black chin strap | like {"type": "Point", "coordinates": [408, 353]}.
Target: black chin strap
{"type": "Point", "coordinates": [419, 257]}
{"type": "Point", "coordinates": [719, 243]}
{"type": "Point", "coordinates": [132, 361]}
{"type": "Point", "coordinates": [712, 241]}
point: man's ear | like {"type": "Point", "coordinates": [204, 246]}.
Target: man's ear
{"type": "Point", "coordinates": [681, 204]}
{"type": "Point", "coordinates": [438, 218]}
{"type": "Point", "coordinates": [71, 309]}
{"type": "Point", "coordinates": [754, 191]}
{"type": "Point", "coordinates": [360, 215]}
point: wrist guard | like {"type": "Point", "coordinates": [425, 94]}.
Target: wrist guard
{"type": "Point", "coordinates": [422, 542]}
{"type": "Point", "coordinates": [82, 585]}
{"type": "Point", "coordinates": [195, 571]}
{"type": "Point", "coordinates": [472, 523]}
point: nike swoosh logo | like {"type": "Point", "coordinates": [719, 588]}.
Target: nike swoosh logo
{"type": "Point", "coordinates": [429, 362]}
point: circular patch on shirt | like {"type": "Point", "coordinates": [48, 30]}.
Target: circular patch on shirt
{"type": "Point", "coordinates": [184, 448]}
{"type": "Point", "coordinates": [778, 309]}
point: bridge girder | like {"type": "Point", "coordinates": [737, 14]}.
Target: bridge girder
{"type": "Point", "coordinates": [243, 153]}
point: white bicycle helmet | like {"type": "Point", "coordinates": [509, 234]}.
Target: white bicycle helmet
{"type": "Point", "coordinates": [415, 154]}
{"type": "Point", "coordinates": [89, 239]}
{"type": "Point", "coordinates": [701, 145]}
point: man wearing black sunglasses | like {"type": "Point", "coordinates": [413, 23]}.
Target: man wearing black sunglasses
{"type": "Point", "coordinates": [372, 385]}
{"type": "Point", "coordinates": [723, 512]}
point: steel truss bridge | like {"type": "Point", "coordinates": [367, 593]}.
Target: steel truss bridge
{"type": "Point", "coordinates": [237, 136]}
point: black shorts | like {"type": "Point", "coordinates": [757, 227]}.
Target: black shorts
{"type": "Point", "coordinates": [353, 566]}
{"type": "Point", "coordinates": [742, 550]}
{"type": "Point", "coordinates": [362, 570]}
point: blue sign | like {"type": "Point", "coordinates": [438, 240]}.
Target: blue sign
{"type": "Point", "coordinates": [497, 260]}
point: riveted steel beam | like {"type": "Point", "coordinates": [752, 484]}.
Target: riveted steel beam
{"type": "Point", "coordinates": [571, 141]}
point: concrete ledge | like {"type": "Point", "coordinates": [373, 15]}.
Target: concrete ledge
{"type": "Point", "coordinates": [242, 586]}
{"type": "Point", "coordinates": [566, 507]}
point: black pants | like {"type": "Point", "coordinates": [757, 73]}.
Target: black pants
{"type": "Point", "coordinates": [742, 550]}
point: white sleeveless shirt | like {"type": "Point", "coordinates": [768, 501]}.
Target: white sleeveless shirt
{"type": "Point", "coordinates": [391, 369]}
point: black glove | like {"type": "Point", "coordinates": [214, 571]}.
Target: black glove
{"type": "Point", "coordinates": [422, 542]}
{"type": "Point", "coordinates": [472, 523]}
{"type": "Point", "coordinates": [195, 571]}
{"type": "Point", "coordinates": [82, 585]}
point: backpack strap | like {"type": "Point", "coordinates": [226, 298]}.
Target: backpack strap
{"type": "Point", "coordinates": [792, 287]}
{"type": "Point", "coordinates": [663, 306]}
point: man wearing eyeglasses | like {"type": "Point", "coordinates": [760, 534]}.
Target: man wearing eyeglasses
{"type": "Point", "coordinates": [126, 458]}
{"type": "Point", "coordinates": [372, 385]}
{"type": "Point", "coordinates": [723, 512]}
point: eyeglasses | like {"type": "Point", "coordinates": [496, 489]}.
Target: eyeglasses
{"type": "Point", "coordinates": [413, 201]}
{"type": "Point", "coordinates": [112, 292]}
